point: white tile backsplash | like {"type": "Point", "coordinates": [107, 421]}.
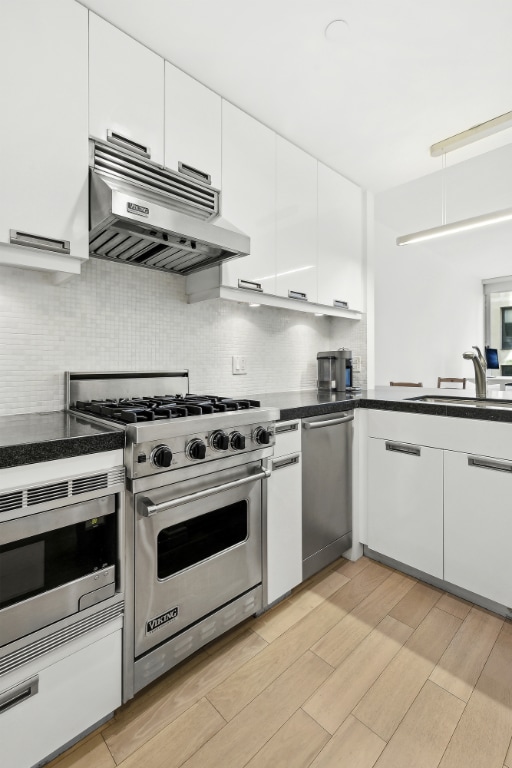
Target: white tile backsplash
{"type": "Point", "coordinates": [117, 317]}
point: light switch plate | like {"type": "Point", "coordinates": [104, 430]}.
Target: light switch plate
{"type": "Point", "coordinates": [239, 365]}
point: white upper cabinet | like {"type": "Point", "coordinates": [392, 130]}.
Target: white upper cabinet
{"type": "Point", "coordinates": [126, 90]}
{"type": "Point", "coordinates": [249, 195]}
{"type": "Point", "coordinates": [340, 240]}
{"type": "Point", "coordinates": [43, 152]}
{"type": "Point", "coordinates": [192, 126]}
{"type": "Point", "coordinates": [296, 221]}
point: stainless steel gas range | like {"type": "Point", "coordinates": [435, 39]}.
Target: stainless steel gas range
{"type": "Point", "coordinates": [196, 470]}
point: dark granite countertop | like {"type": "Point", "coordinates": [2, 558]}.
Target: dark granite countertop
{"type": "Point", "coordinates": [28, 438]}
{"type": "Point", "coordinates": [308, 403]}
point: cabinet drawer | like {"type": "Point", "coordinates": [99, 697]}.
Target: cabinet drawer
{"type": "Point", "coordinates": [485, 438]}
{"type": "Point", "coordinates": [288, 439]}
{"type": "Point", "coordinates": [56, 703]}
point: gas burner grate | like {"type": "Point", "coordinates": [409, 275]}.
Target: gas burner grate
{"type": "Point", "coordinates": [162, 407]}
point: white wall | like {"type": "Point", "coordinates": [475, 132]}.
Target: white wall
{"type": "Point", "coordinates": [429, 304]}
{"type": "Point", "coordinates": [118, 317]}
{"type": "Point", "coordinates": [427, 314]}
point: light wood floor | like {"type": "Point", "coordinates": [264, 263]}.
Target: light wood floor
{"type": "Point", "coordinates": [362, 666]}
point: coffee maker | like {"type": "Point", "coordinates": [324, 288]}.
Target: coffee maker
{"type": "Point", "coordinates": [334, 370]}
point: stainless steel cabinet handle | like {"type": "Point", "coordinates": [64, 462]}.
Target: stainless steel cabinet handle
{"type": "Point", "coordinates": [500, 466]}
{"type": "Point", "coordinates": [340, 303]}
{"type": "Point", "coordinates": [298, 295]}
{"type": "Point", "coordinates": [148, 509]}
{"type": "Point", "coordinates": [194, 173]}
{"type": "Point", "coordinates": [122, 141]}
{"type": "Point", "coordinates": [288, 461]}
{"type": "Point", "coordinates": [280, 428]}
{"type": "Point", "coordinates": [330, 423]}
{"type": "Point", "coordinates": [412, 450]}
{"type": "Point", "coordinates": [37, 241]}
{"type": "Point", "coordinates": [249, 285]}
{"type": "Point", "coordinates": [19, 693]}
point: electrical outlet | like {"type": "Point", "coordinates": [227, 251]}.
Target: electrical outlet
{"type": "Point", "coordinates": [239, 365]}
{"type": "Point", "coordinates": [356, 364]}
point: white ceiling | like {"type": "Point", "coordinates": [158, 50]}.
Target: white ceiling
{"type": "Point", "coordinates": [410, 73]}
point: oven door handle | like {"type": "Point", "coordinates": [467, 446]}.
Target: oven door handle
{"type": "Point", "coordinates": [148, 509]}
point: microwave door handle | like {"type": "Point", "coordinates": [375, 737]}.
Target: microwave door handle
{"type": "Point", "coordinates": [148, 509]}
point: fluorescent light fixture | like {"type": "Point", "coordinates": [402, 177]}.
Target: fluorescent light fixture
{"type": "Point", "coordinates": [477, 132]}
{"type": "Point", "coordinates": [456, 226]}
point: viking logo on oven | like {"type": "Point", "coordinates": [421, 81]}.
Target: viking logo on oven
{"type": "Point", "coordinates": [159, 621]}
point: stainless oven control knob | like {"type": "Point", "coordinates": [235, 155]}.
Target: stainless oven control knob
{"type": "Point", "coordinates": [196, 449]}
{"type": "Point", "coordinates": [262, 436]}
{"type": "Point", "coordinates": [219, 441]}
{"type": "Point", "coordinates": [237, 441]}
{"type": "Point", "coordinates": [161, 456]}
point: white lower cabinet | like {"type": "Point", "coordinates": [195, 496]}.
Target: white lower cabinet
{"type": "Point", "coordinates": [284, 514]}
{"type": "Point", "coordinates": [478, 525]}
{"type": "Point", "coordinates": [49, 702]}
{"type": "Point", "coordinates": [405, 503]}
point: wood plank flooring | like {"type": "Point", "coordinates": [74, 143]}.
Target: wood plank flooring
{"type": "Point", "coordinates": [360, 667]}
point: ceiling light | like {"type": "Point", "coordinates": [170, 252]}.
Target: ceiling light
{"type": "Point", "coordinates": [255, 305]}
{"type": "Point", "coordinates": [477, 132]}
{"type": "Point", "coordinates": [337, 31]}
{"type": "Point", "coordinates": [456, 226]}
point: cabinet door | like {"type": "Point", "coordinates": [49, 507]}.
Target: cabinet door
{"type": "Point", "coordinates": [43, 152]}
{"type": "Point", "coordinates": [296, 221]}
{"type": "Point", "coordinates": [340, 239]}
{"type": "Point", "coordinates": [249, 195]}
{"type": "Point", "coordinates": [478, 525]}
{"type": "Point", "coordinates": [405, 504]}
{"type": "Point", "coordinates": [126, 90]}
{"type": "Point", "coordinates": [284, 526]}
{"type": "Point", "coordinates": [192, 125]}
{"type": "Point", "coordinates": [58, 702]}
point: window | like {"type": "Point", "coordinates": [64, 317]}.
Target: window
{"type": "Point", "coordinates": [506, 327]}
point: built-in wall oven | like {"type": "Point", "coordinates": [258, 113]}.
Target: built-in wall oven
{"type": "Point", "coordinates": [196, 487]}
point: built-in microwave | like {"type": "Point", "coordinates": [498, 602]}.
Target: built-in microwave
{"type": "Point", "coordinates": [55, 560]}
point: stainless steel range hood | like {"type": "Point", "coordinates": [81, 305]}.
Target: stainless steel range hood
{"type": "Point", "coordinates": [150, 216]}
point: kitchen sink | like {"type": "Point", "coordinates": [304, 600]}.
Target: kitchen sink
{"type": "Point", "coordinates": [467, 401]}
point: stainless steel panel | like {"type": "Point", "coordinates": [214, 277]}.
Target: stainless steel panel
{"type": "Point", "coordinates": [412, 450]}
{"type": "Point", "coordinates": [96, 596]}
{"type": "Point", "coordinates": [26, 649]}
{"type": "Point", "coordinates": [206, 586]}
{"type": "Point", "coordinates": [485, 463]}
{"type": "Point", "coordinates": [19, 693]}
{"type": "Point", "coordinates": [40, 611]}
{"type": "Point", "coordinates": [326, 487]}
{"type": "Point", "coordinates": [38, 241]}
{"type": "Point", "coordinates": [165, 657]}
{"type": "Point", "coordinates": [53, 519]}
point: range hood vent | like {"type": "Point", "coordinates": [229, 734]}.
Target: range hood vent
{"type": "Point", "coordinates": [146, 215]}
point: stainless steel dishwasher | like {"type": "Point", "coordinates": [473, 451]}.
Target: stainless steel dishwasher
{"type": "Point", "coordinates": [326, 489]}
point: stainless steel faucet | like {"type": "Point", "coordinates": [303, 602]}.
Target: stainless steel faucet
{"type": "Point", "coordinates": [480, 369]}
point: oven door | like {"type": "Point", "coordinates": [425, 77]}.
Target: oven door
{"type": "Point", "coordinates": [197, 547]}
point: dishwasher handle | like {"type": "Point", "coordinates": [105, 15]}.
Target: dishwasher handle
{"type": "Point", "coordinates": [328, 423]}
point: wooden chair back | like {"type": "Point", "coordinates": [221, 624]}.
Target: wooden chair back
{"type": "Point", "coordinates": [441, 380]}
{"type": "Point", "coordinates": [405, 384]}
